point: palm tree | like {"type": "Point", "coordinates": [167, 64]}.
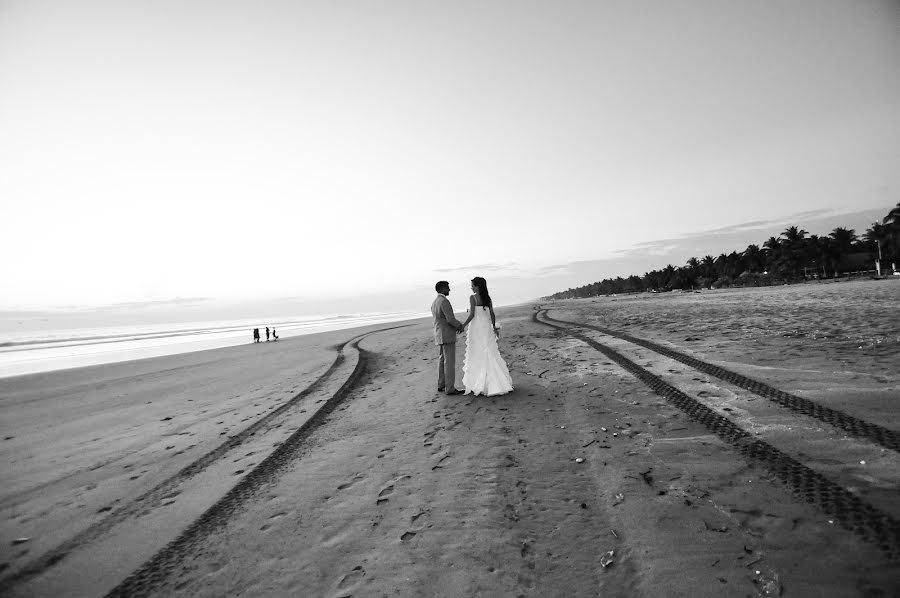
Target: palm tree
{"type": "Point", "coordinates": [708, 263]}
{"type": "Point", "coordinates": [793, 236]}
{"type": "Point", "coordinates": [838, 245]}
{"type": "Point", "coordinates": [772, 247]}
{"type": "Point", "coordinates": [754, 258]}
{"type": "Point", "coordinates": [721, 263]}
{"type": "Point", "coordinates": [691, 272]}
{"type": "Point", "coordinates": [772, 244]}
{"type": "Point", "coordinates": [875, 238]}
{"type": "Point", "coordinates": [875, 233]}
{"type": "Point", "coordinates": [891, 222]}
{"type": "Point", "coordinates": [794, 245]}
{"type": "Point", "coordinates": [844, 238]}
{"type": "Point", "coordinates": [893, 217]}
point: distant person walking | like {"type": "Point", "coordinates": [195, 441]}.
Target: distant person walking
{"type": "Point", "coordinates": [267, 334]}
{"type": "Point", "coordinates": [256, 335]}
{"type": "Point", "coordinates": [274, 336]}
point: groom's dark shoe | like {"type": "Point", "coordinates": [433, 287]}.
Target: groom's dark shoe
{"type": "Point", "coordinates": [454, 391]}
{"type": "Point", "coordinates": [440, 389]}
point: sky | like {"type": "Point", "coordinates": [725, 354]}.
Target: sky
{"type": "Point", "coordinates": [346, 155]}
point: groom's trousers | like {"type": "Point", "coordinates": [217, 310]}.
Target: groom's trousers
{"type": "Point", "coordinates": [447, 366]}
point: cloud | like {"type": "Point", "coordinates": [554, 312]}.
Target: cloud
{"type": "Point", "coordinates": [482, 268]}
{"type": "Point", "coordinates": [177, 301]}
{"type": "Point", "coordinates": [736, 237]}
{"type": "Point", "coordinates": [555, 269]}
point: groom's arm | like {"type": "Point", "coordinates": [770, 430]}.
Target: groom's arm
{"type": "Point", "coordinates": [447, 310]}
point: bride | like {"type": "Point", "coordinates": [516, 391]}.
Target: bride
{"type": "Point", "coordinates": [484, 371]}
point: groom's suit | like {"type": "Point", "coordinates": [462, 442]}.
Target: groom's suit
{"type": "Point", "coordinates": [445, 327]}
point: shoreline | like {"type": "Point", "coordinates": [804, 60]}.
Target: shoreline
{"type": "Point", "coordinates": [48, 355]}
{"type": "Point", "coordinates": [397, 489]}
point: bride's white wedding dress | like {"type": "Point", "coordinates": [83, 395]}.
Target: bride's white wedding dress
{"type": "Point", "coordinates": [484, 371]}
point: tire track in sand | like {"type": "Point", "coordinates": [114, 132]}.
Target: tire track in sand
{"type": "Point", "coordinates": [852, 425]}
{"type": "Point", "coordinates": [848, 510]}
{"type": "Point", "coordinates": [162, 491]}
{"type": "Point", "coordinates": [156, 570]}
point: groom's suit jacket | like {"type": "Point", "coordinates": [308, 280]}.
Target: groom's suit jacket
{"type": "Point", "coordinates": [445, 324]}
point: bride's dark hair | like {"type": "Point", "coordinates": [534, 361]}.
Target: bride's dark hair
{"type": "Point", "coordinates": [481, 285]}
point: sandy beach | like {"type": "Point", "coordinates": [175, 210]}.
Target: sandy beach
{"type": "Point", "coordinates": [328, 465]}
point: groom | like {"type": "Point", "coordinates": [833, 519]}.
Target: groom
{"type": "Point", "coordinates": [446, 327]}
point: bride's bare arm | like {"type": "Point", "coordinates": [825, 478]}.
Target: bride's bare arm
{"type": "Point", "coordinates": [471, 310]}
{"type": "Point", "coordinates": [493, 318]}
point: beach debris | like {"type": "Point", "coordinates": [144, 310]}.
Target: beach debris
{"type": "Point", "coordinates": [589, 443]}
{"type": "Point", "coordinates": [619, 498]}
{"type": "Point", "coordinates": [616, 434]}
{"type": "Point", "coordinates": [721, 529]}
{"type": "Point", "coordinates": [406, 536]}
{"type": "Point", "coordinates": [603, 429]}
{"type": "Point", "coordinates": [20, 540]}
{"type": "Point", "coordinates": [863, 462]}
{"type": "Point", "coordinates": [165, 419]}
{"type": "Point", "coordinates": [562, 427]}
{"type": "Point", "coordinates": [613, 532]}
{"type": "Point", "coordinates": [645, 475]}
{"type": "Point", "coordinates": [607, 559]}
{"type": "Point", "coordinates": [767, 584]}
{"type": "Point", "coordinates": [584, 505]}
{"type": "Point", "coordinates": [529, 373]}
{"type": "Point", "coordinates": [716, 562]}
{"type": "Point", "coordinates": [579, 460]}
{"type": "Point", "coordinates": [541, 375]}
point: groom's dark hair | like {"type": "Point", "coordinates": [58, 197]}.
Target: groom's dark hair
{"type": "Point", "coordinates": [441, 284]}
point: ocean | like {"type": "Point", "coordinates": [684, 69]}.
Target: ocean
{"type": "Point", "coordinates": [49, 350]}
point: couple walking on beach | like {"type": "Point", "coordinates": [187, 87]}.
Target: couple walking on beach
{"type": "Point", "coordinates": [484, 371]}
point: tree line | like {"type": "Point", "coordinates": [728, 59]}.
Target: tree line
{"type": "Point", "coordinates": [793, 256]}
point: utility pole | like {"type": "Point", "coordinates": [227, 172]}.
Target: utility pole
{"type": "Point", "coordinates": [878, 261]}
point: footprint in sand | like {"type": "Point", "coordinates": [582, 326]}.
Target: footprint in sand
{"type": "Point", "coordinates": [385, 494]}
{"type": "Point", "coordinates": [407, 536]}
{"type": "Point", "coordinates": [346, 485]}
{"type": "Point", "coordinates": [440, 460]}
{"type": "Point", "coordinates": [278, 515]}
{"type": "Point", "coordinates": [388, 490]}
{"type": "Point", "coordinates": [352, 578]}
{"type": "Point", "coordinates": [429, 436]}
